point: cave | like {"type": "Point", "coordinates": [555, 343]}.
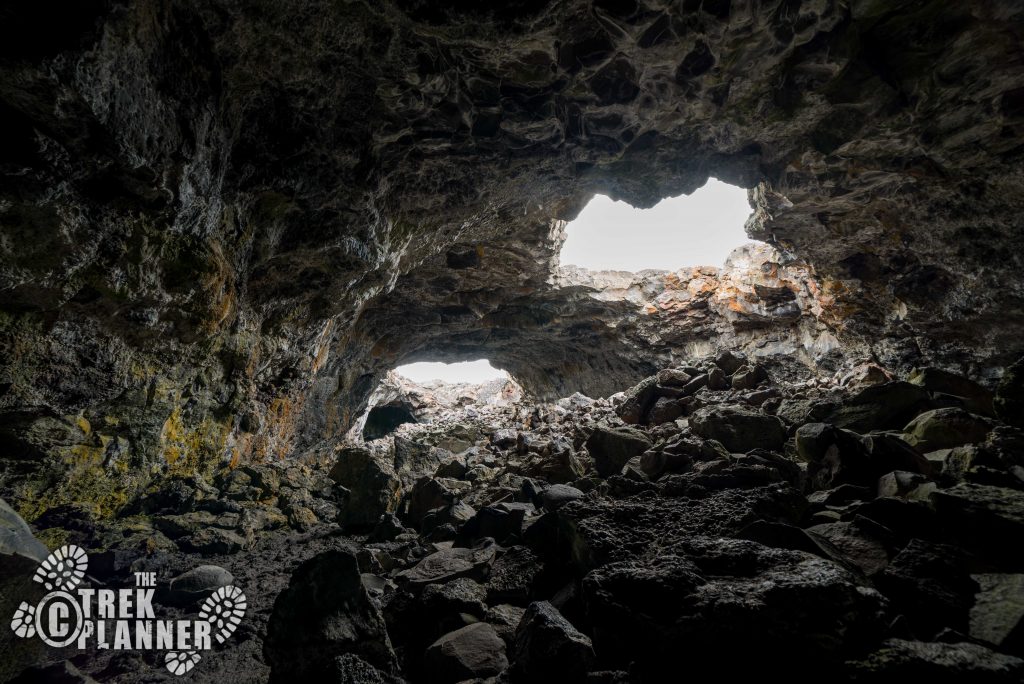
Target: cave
{"type": "Point", "coordinates": [382, 420]}
{"type": "Point", "coordinates": [224, 226]}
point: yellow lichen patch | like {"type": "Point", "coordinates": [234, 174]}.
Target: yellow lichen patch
{"type": "Point", "coordinates": [53, 538]}
{"type": "Point", "coordinates": [83, 425]}
{"type": "Point", "coordinates": [275, 439]}
{"type": "Point", "coordinates": [104, 491]}
{"type": "Point", "coordinates": [189, 450]}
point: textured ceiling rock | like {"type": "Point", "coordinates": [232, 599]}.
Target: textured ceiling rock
{"type": "Point", "coordinates": [222, 222]}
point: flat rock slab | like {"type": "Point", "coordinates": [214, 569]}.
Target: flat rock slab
{"type": "Point", "coordinates": [449, 564]}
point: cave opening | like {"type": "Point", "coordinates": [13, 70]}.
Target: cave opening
{"type": "Point", "coordinates": [699, 229]}
{"type": "Point", "coordinates": [382, 420]}
{"type": "Point", "coordinates": [462, 372]}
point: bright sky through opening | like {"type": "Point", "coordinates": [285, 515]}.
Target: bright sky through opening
{"type": "Point", "coordinates": [474, 372]}
{"type": "Point", "coordinates": [690, 230]}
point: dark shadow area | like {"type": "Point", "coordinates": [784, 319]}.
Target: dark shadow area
{"type": "Point", "coordinates": [383, 420]}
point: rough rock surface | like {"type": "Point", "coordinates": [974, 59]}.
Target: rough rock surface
{"type": "Point", "coordinates": [222, 224]}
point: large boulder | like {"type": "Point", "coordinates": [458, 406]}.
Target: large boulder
{"type": "Point", "coordinates": [711, 594]}
{"type": "Point", "coordinates": [373, 488]}
{"type": "Point", "coordinates": [430, 493]}
{"type": "Point", "coordinates": [945, 428]}
{"type": "Point", "coordinates": [547, 648]}
{"type": "Point", "coordinates": [598, 531]}
{"type": "Point", "coordinates": [611, 448]}
{"type": "Point", "coordinates": [997, 616]}
{"type": "Point", "coordinates": [449, 564]}
{"type": "Point", "coordinates": [835, 456]}
{"type": "Point", "coordinates": [931, 584]}
{"type": "Point", "coordinates": [975, 398]}
{"type": "Point", "coordinates": [637, 401]}
{"type": "Point", "coordinates": [880, 407]}
{"type": "Point", "coordinates": [739, 429]}
{"type": "Point", "coordinates": [325, 612]}
{"type": "Point", "coordinates": [475, 651]}
{"type": "Point", "coordinates": [987, 519]}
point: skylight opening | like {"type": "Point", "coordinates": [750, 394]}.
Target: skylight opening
{"type": "Point", "coordinates": [700, 229]}
{"type": "Point", "coordinates": [469, 372]}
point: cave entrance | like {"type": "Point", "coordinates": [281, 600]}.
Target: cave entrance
{"type": "Point", "coordinates": [465, 372]}
{"type": "Point", "coordinates": [700, 229]}
{"type": "Point", "coordinates": [381, 421]}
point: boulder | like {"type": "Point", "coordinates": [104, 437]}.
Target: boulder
{"type": "Point", "coordinates": [931, 585]}
{"type": "Point", "coordinates": [900, 660]}
{"type": "Point", "coordinates": [462, 595]}
{"type": "Point", "coordinates": [449, 564]}
{"type": "Point", "coordinates": [386, 529]}
{"type": "Point", "coordinates": [455, 514]}
{"type": "Point", "coordinates": [512, 576]}
{"type": "Point", "coordinates": [475, 651]}
{"type": "Point", "coordinates": [673, 377]}
{"type": "Point", "coordinates": [945, 428]}
{"type": "Point", "coordinates": [665, 410]}
{"type": "Point", "coordinates": [859, 544]}
{"type": "Point", "coordinates": [730, 362]}
{"type": "Point", "coordinates": [997, 616]}
{"type": "Point", "coordinates": [888, 406]}
{"type": "Point", "coordinates": [739, 429]}
{"type": "Point", "coordinates": [547, 648]}
{"type": "Point", "coordinates": [611, 448]}
{"type": "Point", "coordinates": [711, 593]}
{"type": "Point", "coordinates": [430, 493]}
{"type": "Point", "coordinates": [373, 488]}
{"type": "Point", "coordinates": [325, 612]}
{"type": "Point", "coordinates": [198, 583]}
{"type": "Point", "coordinates": [555, 496]}
{"type": "Point", "coordinates": [504, 438]}
{"type": "Point", "coordinates": [748, 377]}
{"type": "Point", "coordinates": [899, 483]}
{"type": "Point", "coordinates": [976, 398]}
{"type": "Point", "coordinates": [985, 518]}
{"type": "Point", "coordinates": [637, 401]}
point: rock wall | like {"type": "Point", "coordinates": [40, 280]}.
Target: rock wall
{"type": "Point", "coordinates": [222, 223]}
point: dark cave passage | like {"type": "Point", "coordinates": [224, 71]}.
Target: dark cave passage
{"type": "Point", "coordinates": [382, 420]}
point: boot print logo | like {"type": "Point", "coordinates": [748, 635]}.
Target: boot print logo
{"type": "Point", "coordinates": [123, 619]}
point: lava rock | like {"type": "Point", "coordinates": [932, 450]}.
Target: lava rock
{"type": "Point", "coordinates": [637, 401]}
{"type": "Point", "coordinates": [712, 593]}
{"type": "Point", "coordinates": [199, 583]}
{"type": "Point", "coordinates": [899, 661]}
{"type": "Point", "coordinates": [998, 613]}
{"type": "Point", "coordinates": [475, 651]}
{"type": "Point", "coordinates": [548, 648]}
{"type": "Point", "coordinates": [325, 612]}
{"type": "Point", "coordinates": [611, 448]}
{"type": "Point", "coordinates": [880, 407]}
{"type": "Point", "coordinates": [554, 497]}
{"type": "Point", "coordinates": [945, 428]}
{"type": "Point", "coordinates": [449, 564]}
{"type": "Point", "coordinates": [739, 429]}
{"type": "Point", "coordinates": [373, 488]}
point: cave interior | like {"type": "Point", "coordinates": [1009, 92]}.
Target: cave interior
{"type": "Point", "coordinates": [224, 225]}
